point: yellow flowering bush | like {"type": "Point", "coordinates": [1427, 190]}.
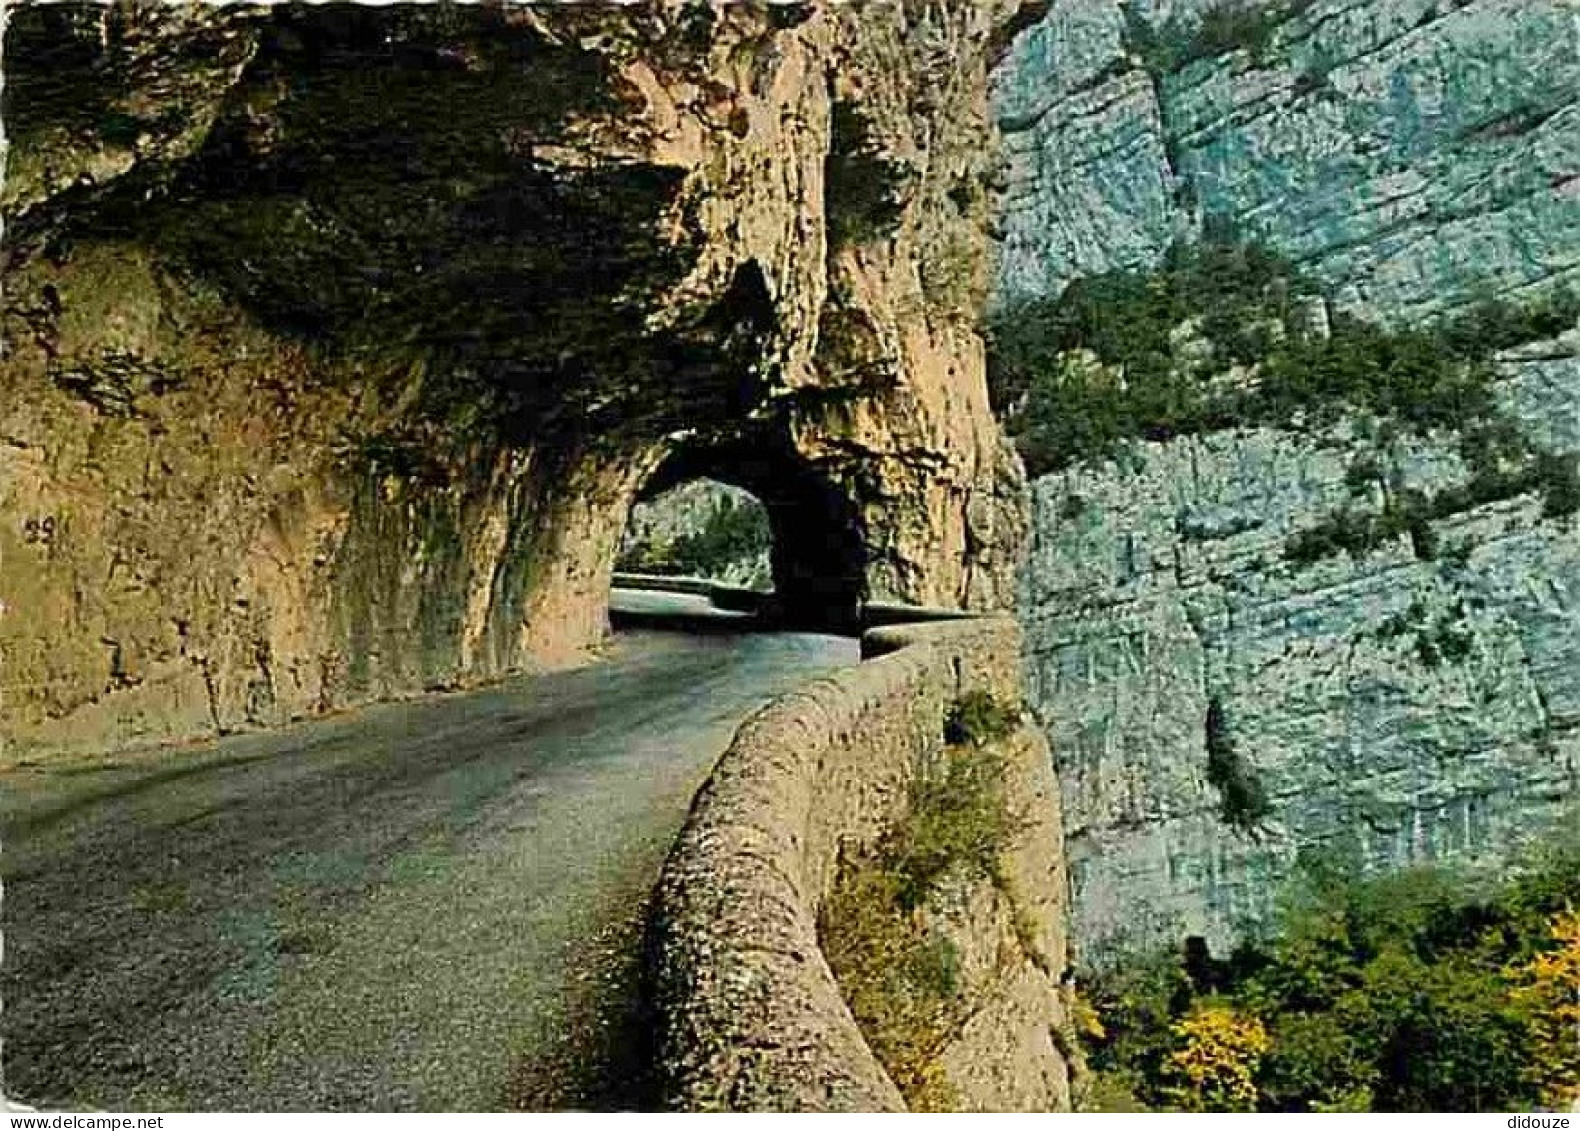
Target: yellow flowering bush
{"type": "Point", "coordinates": [1214, 1067]}
{"type": "Point", "coordinates": [1547, 987]}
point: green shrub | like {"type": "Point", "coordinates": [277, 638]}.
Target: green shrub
{"type": "Point", "coordinates": [900, 977]}
{"type": "Point", "coordinates": [1448, 642]}
{"type": "Point", "coordinates": [1559, 479]}
{"type": "Point", "coordinates": [1401, 623]}
{"type": "Point", "coordinates": [1079, 376]}
{"type": "Point", "coordinates": [121, 129]}
{"type": "Point", "coordinates": [1494, 324]}
{"type": "Point", "coordinates": [1230, 25]}
{"type": "Point", "coordinates": [1555, 478]}
{"type": "Point", "coordinates": [977, 718]}
{"type": "Point", "coordinates": [958, 821]}
{"type": "Point", "coordinates": [1241, 299]}
{"type": "Point", "coordinates": [1362, 474]}
{"type": "Point", "coordinates": [863, 190]}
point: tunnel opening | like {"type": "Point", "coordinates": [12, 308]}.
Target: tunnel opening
{"type": "Point", "coordinates": [703, 529]}
{"type": "Point", "coordinates": [750, 517]}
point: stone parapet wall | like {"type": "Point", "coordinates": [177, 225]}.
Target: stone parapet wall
{"type": "Point", "coordinates": [750, 1015]}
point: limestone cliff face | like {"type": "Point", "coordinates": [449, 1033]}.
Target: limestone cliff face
{"type": "Point", "coordinates": [1395, 710]}
{"type": "Point", "coordinates": [340, 339]}
{"type": "Point", "coordinates": [1411, 157]}
{"type": "Point", "coordinates": [1409, 154]}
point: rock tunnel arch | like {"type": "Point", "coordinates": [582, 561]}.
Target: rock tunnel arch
{"type": "Point", "coordinates": [817, 552]}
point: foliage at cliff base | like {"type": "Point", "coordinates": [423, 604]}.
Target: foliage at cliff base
{"type": "Point", "coordinates": [1421, 991]}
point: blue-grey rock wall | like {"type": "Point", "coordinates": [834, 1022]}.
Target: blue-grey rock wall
{"type": "Point", "coordinates": [1409, 153]}
{"type": "Point", "coordinates": [1413, 157]}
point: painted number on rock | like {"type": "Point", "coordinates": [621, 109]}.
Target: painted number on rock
{"type": "Point", "coordinates": [39, 531]}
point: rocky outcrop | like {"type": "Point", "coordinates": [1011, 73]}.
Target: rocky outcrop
{"type": "Point", "coordinates": [339, 340]}
{"type": "Point", "coordinates": [1393, 709]}
{"type": "Point", "coordinates": [1404, 704]}
{"type": "Point", "coordinates": [750, 1014]}
{"type": "Point", "coordinates": [1410, 154]}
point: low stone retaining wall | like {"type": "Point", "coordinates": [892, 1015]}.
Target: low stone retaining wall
{"type": "Point", "coordinates": [749, 1013]}
{"type": "Point", "coordinates": [664, 583]}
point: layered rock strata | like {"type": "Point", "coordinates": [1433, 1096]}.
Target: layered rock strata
{"type": "Point", "coordinates": [1412, 158]}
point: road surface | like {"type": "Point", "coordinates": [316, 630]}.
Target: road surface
{"type": "Point", "coordinates": [427, 905]}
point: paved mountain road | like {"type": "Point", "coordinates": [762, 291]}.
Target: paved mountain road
{"type": "Point", "coordinates": [427, 905]}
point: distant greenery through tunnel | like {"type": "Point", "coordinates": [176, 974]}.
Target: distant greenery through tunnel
{"type": "Point", "coordinates": [702, 528]}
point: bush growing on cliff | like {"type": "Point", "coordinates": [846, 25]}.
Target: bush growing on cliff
{"type": "Point", "coordinates": [1129, 319]}
{"type": "Point", "coordinates": [864, 189]}
{"type": "Point", "coordinates": [1242, 803]}
{"type": "Point", "coordinates": [1239, 304]}
{"type": "Point", "coordinates": [1559, 479]}
{"type": "Point", "coordinates": [977, 718]}
{"type": "Point", "coordinates": [1215, 338]}
{"type": "Point", "coordinates": [1415, 992]}
{"type": "Point", "coordinates": [898, 972]}
{"type": "Point", "coordinates": [1358, 533]}
{"type": "Point", "coordinates": [1230, 25]}
{"type": "Point", "coordinates": [899, 975]}
{"type": "Point", "coordinates": [958, 822]}
{"type": "Point", "coordinates": [1494, 324]}
{"type": "Point", "coordinates": [1555, 478]}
